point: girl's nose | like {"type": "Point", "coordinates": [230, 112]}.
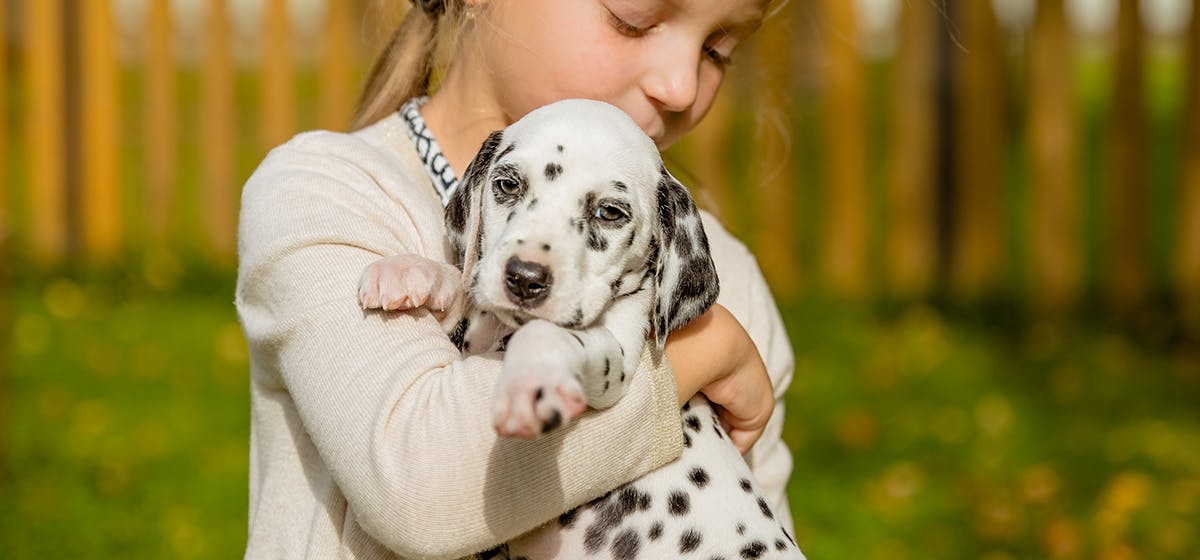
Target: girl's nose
{"type": "Point", "coordinates": [672, 76]}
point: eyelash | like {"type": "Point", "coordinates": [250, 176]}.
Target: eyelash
{"type": "Point", "coordinates": [629, 30]}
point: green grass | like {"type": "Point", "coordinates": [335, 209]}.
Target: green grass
{"type": "Point", "coordinates": [916, 433]}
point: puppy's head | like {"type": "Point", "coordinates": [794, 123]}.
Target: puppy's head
{"type": "Point", "coordinates": [570, 207]}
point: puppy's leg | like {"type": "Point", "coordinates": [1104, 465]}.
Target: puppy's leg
{"type": "Point", "coordinates": [538, 389]}
{"type": "Point", "coordinates": [613, 348]}
{"type": "Point", "coordinates": [408, 282]}
{"type": "Point", "coordinates": [552, 373]}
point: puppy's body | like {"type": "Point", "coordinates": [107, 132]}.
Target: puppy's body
{"type": "Point", "coordinates": [573, 246]}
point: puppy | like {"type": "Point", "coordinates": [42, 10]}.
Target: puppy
{"type": "Point", "coordinates": [572, 246]}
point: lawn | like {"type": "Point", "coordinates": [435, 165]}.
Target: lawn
{"type": "Point", "coordinates": [917, 432]}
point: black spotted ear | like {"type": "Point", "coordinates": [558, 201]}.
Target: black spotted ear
{"type": "Point", "coordinates": [685, 276]}
{"type": "Point", "coordinates": [463, 224]}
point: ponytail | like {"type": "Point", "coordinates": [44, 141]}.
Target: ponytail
{"type": "Point", "coordinates": [405, 67]}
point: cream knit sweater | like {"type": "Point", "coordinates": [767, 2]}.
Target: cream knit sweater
{"type": "Point", "coordinates": [370, 435]}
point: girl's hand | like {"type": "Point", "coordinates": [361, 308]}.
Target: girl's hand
{"type": "Point", "coordinates": [714, 355]}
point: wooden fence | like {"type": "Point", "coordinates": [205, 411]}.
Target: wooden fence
{"type": "Point", "coordinates": [963, 165]}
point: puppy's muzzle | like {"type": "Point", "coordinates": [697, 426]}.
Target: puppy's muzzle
{"type": "Point", "coordinates": [527, 284]}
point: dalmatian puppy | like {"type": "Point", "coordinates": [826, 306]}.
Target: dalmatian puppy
{"type": "Point", "coordinates": [573, 246]}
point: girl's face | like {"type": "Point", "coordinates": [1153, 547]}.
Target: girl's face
{"type": "Point", "coordinates": [661, 61]}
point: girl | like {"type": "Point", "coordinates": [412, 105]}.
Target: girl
{"type": "Point", "coordinates": [371, 436]}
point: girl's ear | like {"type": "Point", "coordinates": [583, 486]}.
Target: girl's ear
{"type": "Point", "coordinates": [464, 222]}
{"type": "Point", "coordinates": [685, 277]}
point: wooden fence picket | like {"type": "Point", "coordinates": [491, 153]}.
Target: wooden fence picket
{"type": "Point", "coordinates": [1125, 238]}
{"type": "Point", "coordinates": [6, 205]}
{"type": "Point", "coordinates": [1054, 212]}
{"type": "Point", "coordinates": [99, 112]}
{"type": "Point", "coordinates": [217, 129]}
{"type": "Point", "coordinates": [1187, 256]}
{"type": "Point", "coordinates": [910, 244]}
{"type": "Point", "coordinates": [44, 126]}
{"type": "Point", "coordinates": [976, 255]}
{"type": "Point", "coordinates": [338, 66]}
{"type": "Point", "coordinates": [277, 99]}
{"type": "Point", "coordinates": [843, 243]}
{"type": "Point", "coordinates": [160, 125]}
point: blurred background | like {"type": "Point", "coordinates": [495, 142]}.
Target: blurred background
{"type": "Point", "coordinates": [981, 219]}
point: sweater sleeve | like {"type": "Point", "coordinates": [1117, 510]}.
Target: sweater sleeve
{"type": "Point", "coordinates": [400, 420]}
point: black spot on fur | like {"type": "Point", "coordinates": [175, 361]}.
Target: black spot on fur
{"type": "Point", "coordinates": [625, 546]}
{"type": "Point", "coordinates": [537, 397]}
{"type": "Point", "coordinates": [532, 202]}
{"type": "Point", "coordinates": [765, 509]}
{"type": "Point", "coordinates": [553, 170]}
{"type": "Point", "coordinates": [494, 553]}
{"type": "Point", "coordinates": [560, 148]}
{"type": "Point", "coordinates": [741, 528]}
{"type": "Point", "coordinates": [644, 501]}
{"type": "Point", "coordinates": [687, 406]}
{"type": "Point", "coordinates": [678, 503]}
{"type": "Point", "coordinates": [460, 201]}
{"type": "Point", "coordinates": [605, 385]}
{"type": "Point", "coordinates": [787, 536]}
{"type": "Point", "coordinates": [687, 440]}
{"type": "Point", "coordinates": [619, 186]}
{"type": "Point", "coordinates": [622, 377]}
{"type": "Point", "coordinates": [754, 550]}
{"type": "Point", "coordinates": [780, 545]}
{"type": "Point", "coordinates": [692, 423]}
{"type": "Point", "coordinates": [609, 515]}
{"type": "Point", "coordinates": [699, 477]}
{"type": "Point", "coordinates": [507, 150]}
{"type": "Point", "coordinates": [656, 531]}
{"type": "Point", "coordinates": [545, 246]}
{"type": "Point", "coordinates": [606, 366]}
{"type": "Point", "coordinates": [689, 541]}
{"type": "Point", "coordinates": [595, 241]}
{"type": "Point", "coordinates": [567, 519]}
{"type": "Point", "coordinates": [458, 334]}
{"type": "Point", "coordinates": [510, 217]}
{"type": "Point", "coordinates": [745, 484]}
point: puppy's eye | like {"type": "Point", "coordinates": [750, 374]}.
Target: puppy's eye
{"type": "Point", "coordinates": [610, 213]}
{"type": "Point", "coordinates": [507, 186]}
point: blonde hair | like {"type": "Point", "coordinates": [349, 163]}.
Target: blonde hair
{"type": "Point", "coordinates": [419, 49]}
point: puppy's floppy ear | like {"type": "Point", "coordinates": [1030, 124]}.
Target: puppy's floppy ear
{"type": "Point", "coordinates": [464, 222]}
{"type": "Point", "coordinates": [685, 276]}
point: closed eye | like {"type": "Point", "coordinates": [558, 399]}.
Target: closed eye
{"type": "Point", "coordinates": [624, 27]}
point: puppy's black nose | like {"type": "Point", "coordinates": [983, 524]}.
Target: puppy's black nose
{"type": "Point", "coordinates": [527, 284]}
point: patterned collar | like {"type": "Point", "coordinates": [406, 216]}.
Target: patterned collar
{"type": "Point", "coordinates": [443, 177]}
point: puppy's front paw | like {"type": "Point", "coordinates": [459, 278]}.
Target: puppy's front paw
{"type": "Point", "coordinates": [537, 390]}
{"type": "Point", "coordinates": [408, 282]}
{"type": "Point", "coordinates": [531, 405]}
